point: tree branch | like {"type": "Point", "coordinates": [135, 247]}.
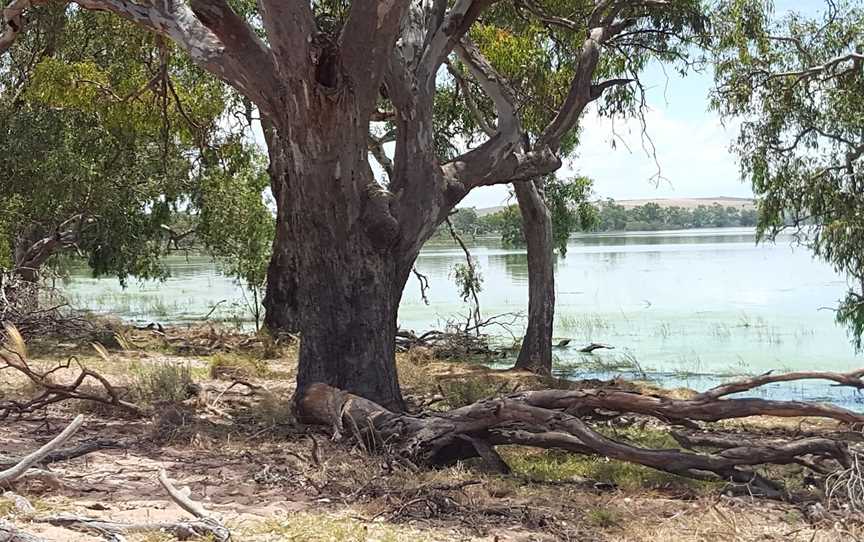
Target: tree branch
{"type": "Point", "coordinates": [579, 94]}
{"type": "Point", "coordinates": [476, 114]}
{"type": "Point", "coordinates": [238, 37]}
{"type": "Point", "coordinates": [852, 379]}
{"type": "Point", "coordinates": [828, 68]}
{"type": "Point", "coordinates": [456, 23]}
{"type": "Point", "coordinates": [289, 25]}
{"type": "Point", "coordinates": [12, 23]}
{"type": "Point", "coordinates": [367, 42]}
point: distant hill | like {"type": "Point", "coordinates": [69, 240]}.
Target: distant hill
{"type": "Point", "coordinates": [489, 210]}
{"type": "Point", "coordinates": [690, 203]}
{"type": "Point", "coordinates": [686, 203]}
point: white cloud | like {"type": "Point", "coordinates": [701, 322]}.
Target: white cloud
{"type": "Point", "coordinates": [692, 155]}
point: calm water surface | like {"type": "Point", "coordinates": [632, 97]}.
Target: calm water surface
{"type": "Point", "coordinates": [691, 307]}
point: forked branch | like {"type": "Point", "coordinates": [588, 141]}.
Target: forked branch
{"type": "Point", "coordinates": [553, 419]}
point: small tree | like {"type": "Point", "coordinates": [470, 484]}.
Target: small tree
{"type": "Point", "coordinates": [235, 223]}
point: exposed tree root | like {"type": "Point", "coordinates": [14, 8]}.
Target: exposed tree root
{"type": "Point", "coordinates": [552, 419]}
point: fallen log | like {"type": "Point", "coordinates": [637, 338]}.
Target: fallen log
{"type": "Point", "coordinates": [551, 419]}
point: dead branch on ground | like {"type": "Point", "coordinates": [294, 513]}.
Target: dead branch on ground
{"type": "Point", "coordinates": [13, 356]}
{"type": "Point", "coordinates": [10, 475]}
{"type": "Point", "coordinates": [458, 341]}
{"type": "Point", "coordinates": [204, 525]}
{"type": "Point", "coordinates": [69, 453]}
{"type": "Point", "coordinates": [203, 340]}
{"type": "Point", "coordinates": [23, 305]}
{"type": "Point", "coordinates": [554, 419]}
{"type": "Point", "coordinates": [8, 533]}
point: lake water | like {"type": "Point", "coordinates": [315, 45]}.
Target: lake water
{"type": "Point", "coordinates": [690, 307]}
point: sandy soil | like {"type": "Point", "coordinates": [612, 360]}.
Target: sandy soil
{"type": "Point", "coordinates": [284, 481]}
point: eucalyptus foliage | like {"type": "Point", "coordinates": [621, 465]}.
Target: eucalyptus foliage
{"type": "Point", "coordinates": [796, 82]}
{"type": "Point", "coordinates": [107, 133]}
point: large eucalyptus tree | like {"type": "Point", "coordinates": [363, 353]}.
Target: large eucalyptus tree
{"type": "Point", "coordinates": [320, 73]}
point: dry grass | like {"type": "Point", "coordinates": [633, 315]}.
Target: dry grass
{"type": "Point", "coordinates": [243, 455]}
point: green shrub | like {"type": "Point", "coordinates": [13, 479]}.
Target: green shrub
{"type": "Point", "coordinates": [166, 382]}
{"type": "Point", "coordinates": [233, 367]}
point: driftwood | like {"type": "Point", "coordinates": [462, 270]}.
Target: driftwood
{"type": "Point", "coordinates": [14, 356]}
{"type": "Point", "coordinates": [66, 454]}
{"type": "Point", "coordinates": [203, 526]}
{"type": "Point", "coordinates": [8, 533]}
{"type": "Point", "coordinates": [10, 475]}
{"type": "Point", "coordinates": [553, 419]}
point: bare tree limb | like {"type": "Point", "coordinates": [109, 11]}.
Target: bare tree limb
{"type": "Point", "coordinates": [239, 38]}
{"type": "Point", "coordinates": [9, 476]}
{"type": "Point", "coordinates": [453, 27]}
{"type": "Point", "coordinates": [476, 114]}
{"type": "Point", "coordinates": [180, 499]}
{"type": "Point", "coordinates": [852, 379]}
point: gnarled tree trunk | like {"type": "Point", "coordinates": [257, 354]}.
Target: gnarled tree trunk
{"type": "Point", "coordinates": [536, 351]}
{"type": "Point", "coordinates": [344, 245]}
{"type": "Point", "coordinates": [335, 275]}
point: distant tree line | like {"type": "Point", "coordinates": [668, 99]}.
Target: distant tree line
{"type": "Point", "coordinates": [651, 216]}
{"type": "Point", "coordinates": [604, 216]}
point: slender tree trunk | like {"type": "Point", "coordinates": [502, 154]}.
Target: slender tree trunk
{"type": "Point", "coordinates": [536, 352]}
{"type": "Point", "coordinates": [30, 251]}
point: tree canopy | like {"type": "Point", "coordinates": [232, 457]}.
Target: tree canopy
{"type": "Point", "coordinates": [112, 139]}
{"type": "Point", "coordinates": [795, 81]}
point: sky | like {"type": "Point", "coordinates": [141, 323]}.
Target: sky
{"type": "Point", "coordinates": [692, 148]}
